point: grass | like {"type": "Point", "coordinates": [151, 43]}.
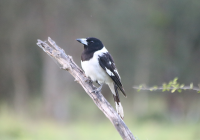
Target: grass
{"type": "Point", "coordinates": [18, 128]}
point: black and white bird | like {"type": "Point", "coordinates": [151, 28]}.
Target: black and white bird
{"type": "Point", "coordinates": [98, 64]}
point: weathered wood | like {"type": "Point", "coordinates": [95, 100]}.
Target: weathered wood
{"type": "Point", "coordinates": [66, 62]}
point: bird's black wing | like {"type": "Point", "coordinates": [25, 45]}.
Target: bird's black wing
{"type": "Point", "coordinates": [107, 63]}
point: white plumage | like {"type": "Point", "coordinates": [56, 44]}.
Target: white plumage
{"type": "Point", "coordinates": [94, 70]}
{"type": "Point", "coordinates": [98, 64]}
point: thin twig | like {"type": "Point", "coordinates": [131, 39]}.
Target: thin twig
{"type": "Point", "coordinates": [143, 87]}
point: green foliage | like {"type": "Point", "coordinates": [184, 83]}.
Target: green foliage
{"type": "Point", "coordinates": [172, 86]}
{"type": "Point", "coordinates": [154, 88]}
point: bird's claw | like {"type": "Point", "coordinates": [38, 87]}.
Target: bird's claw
{"type": "Point", "coordinates": [98, 89]}
{"type": "Point", "coordinates": [89, 81]}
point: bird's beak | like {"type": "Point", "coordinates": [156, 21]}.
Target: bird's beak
{"type": "Point", "coordinates": [82, 40]}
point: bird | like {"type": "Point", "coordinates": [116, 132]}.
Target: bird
{"type": "Point", "coordinates": [99, 66]}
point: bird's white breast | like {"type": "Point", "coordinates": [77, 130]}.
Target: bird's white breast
{"type": "Point", "coordinates": [94, 70]}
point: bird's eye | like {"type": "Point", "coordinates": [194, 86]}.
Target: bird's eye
{"type": "Point", "coordinates": [91, 41]}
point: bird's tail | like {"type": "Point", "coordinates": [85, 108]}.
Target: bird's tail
{"type": "Point", "coordinates": [118, 104]}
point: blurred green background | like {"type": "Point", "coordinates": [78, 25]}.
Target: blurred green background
{"type": "Point", "coordinates": [151, 41]}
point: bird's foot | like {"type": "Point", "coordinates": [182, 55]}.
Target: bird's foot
{"type": "Point", "coordinates": [98, 89]}
{"type": "Point", "coordinates": [88, 80]}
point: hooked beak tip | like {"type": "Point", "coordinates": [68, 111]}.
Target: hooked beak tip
{"type": "Point", "coordinates": [78, 39]}
{"type": "Point", "coordinates": [82, 41]}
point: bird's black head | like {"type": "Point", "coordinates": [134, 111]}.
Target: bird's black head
{"type": "Point", "coordinates": [91, 43]}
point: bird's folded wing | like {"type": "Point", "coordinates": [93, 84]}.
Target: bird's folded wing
{"type": "Point", "coordinates": [107, 63]}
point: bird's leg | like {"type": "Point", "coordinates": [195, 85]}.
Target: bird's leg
{"type": "Point", "coordinates": [98, 89]}
{"type": "Point", "coordinates": [98, 83]}
{"type": "Point", "coordinates": [100, 86]}
{"type": "Point", "coordinates": [88, 80]}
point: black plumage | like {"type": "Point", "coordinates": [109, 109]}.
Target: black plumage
{"type": "Point", "coordinates": [106, 62]}
{"type": "Point", "coordinates": [99, 65]}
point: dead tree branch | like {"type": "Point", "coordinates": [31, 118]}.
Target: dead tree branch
{"type": "Point", "coordinates": [66, 62]}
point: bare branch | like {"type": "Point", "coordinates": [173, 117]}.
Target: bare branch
{"type": "Point", "coordinates": [66, 62]}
